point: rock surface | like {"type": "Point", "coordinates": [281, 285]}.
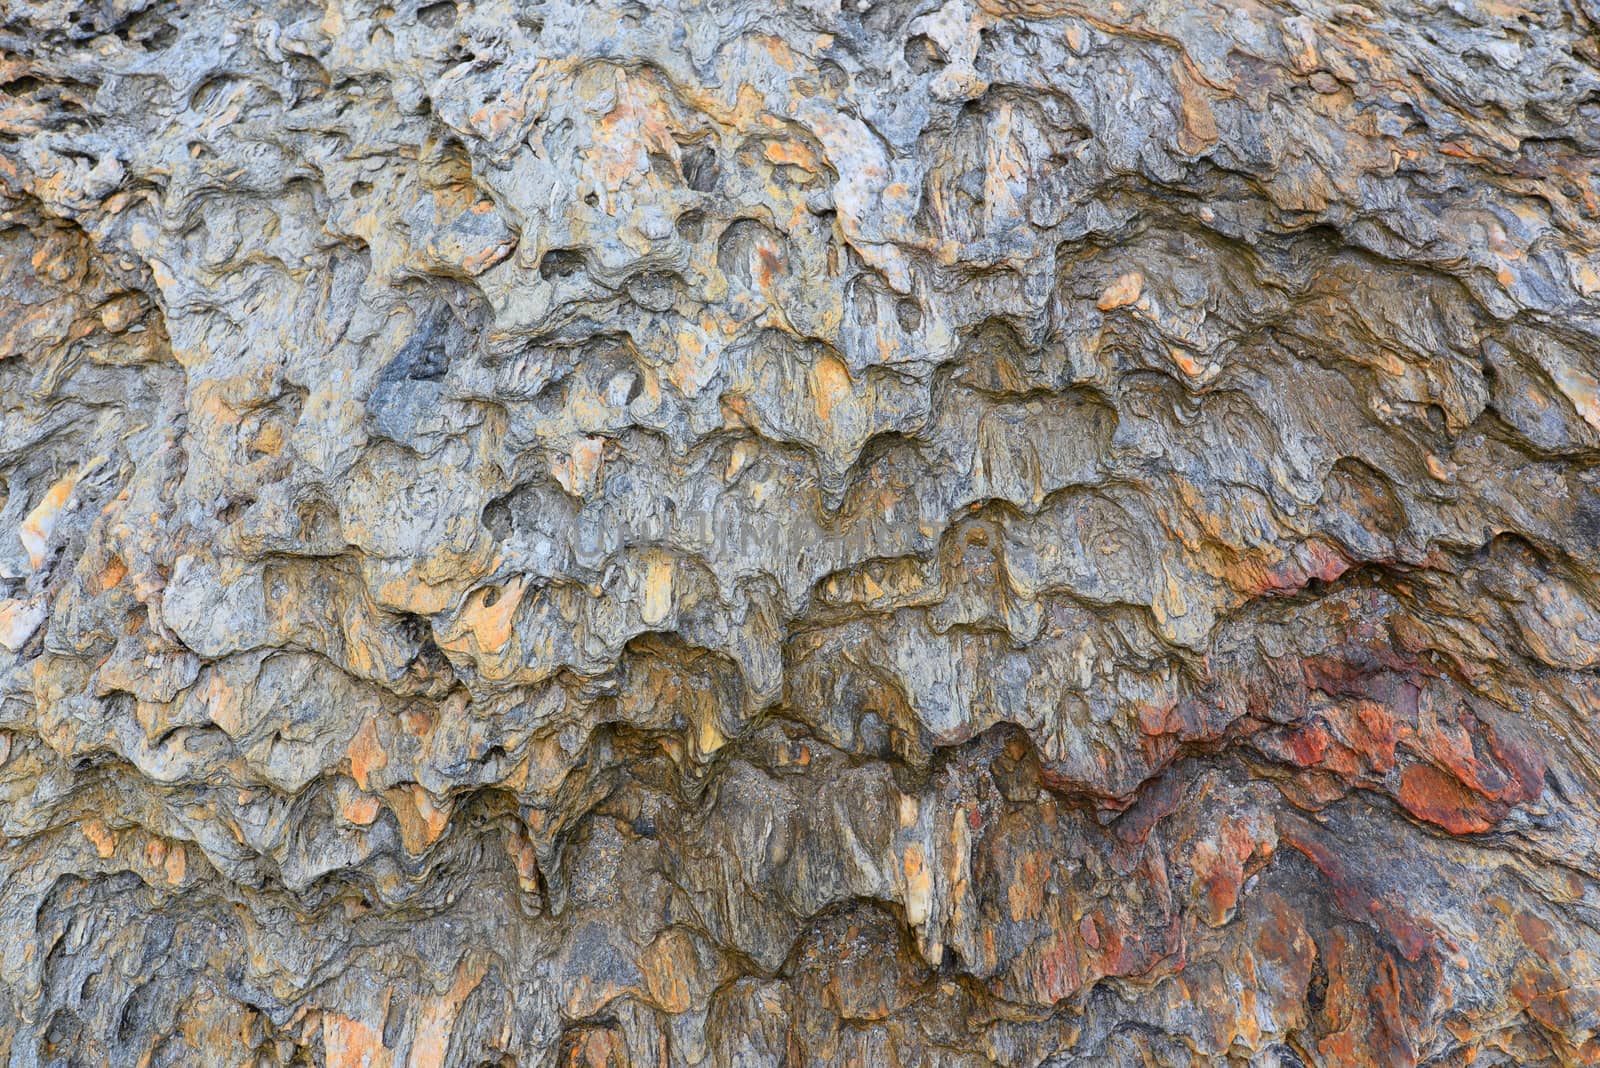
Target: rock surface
{"type": "Point", "coordinates": [735, 533]}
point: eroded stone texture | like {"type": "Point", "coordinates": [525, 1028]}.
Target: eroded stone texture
{"type": "Point", "coordinates": [995, 532]}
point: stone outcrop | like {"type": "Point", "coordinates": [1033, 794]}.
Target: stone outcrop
{"type": "Point", "coordinates": [749, 534]}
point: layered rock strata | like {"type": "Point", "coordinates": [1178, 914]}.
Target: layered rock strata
{"type": "Point", "coordinates": [750, 534]}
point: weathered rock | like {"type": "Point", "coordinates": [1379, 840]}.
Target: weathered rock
{"type": "Point", "coordinates": [994, 532]}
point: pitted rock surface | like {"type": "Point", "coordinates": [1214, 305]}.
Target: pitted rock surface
{"type": "Point", "coordinates": [750, 534]}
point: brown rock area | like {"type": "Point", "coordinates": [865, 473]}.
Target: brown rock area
{"type": "Point", "coordinates": [738, 534]}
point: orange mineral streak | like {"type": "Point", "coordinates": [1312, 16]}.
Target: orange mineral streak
{"type": "Point", "coordinates": [361, 810]}
{"type": "Point", "coordinates": [422, 822]}
{"type": "Point", "coordinates": [579, 472]}
{"type": "Point", "coordinates": [1122, 292]}
{"type": "Point", "coordinates": [437, 1018]}
{"type": "Point", "coordinates": [112, 574]}
{"type": "Point", "coordinates": [351, 1043]}
{"type": "Point", "coordinates": [366, 754]}
{"type": "Point", "coordinates": [1442, 799]}
{"type": "Point", "coordinates": [101, 837]}
{"type": "Point", "coordinates": [830, 385]}
{"type": "Point", "coordinates": [41, 522]}
{"type": "Point", "coordinates": [656, 604]}
{"type": "Point", "coordinates": [485, 623]}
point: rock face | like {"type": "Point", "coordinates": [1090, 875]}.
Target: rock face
{"type": "Point", "coordinates": [750, 534]}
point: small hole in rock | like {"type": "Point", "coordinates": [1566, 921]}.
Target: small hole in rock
{"type": "Point", "coordinates": [437, 16]}
{"type": "Point", "coordinates": [691, 225]}
{"type": "Point", "coordinates": [923, 55]}
{"type": "Point", "coordinates": [560, 263]}
{"type": "Point", "coordinates": [700, 168]}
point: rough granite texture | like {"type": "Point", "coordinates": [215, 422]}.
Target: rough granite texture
{"type": "Point", "coordinates": [745, 533]}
